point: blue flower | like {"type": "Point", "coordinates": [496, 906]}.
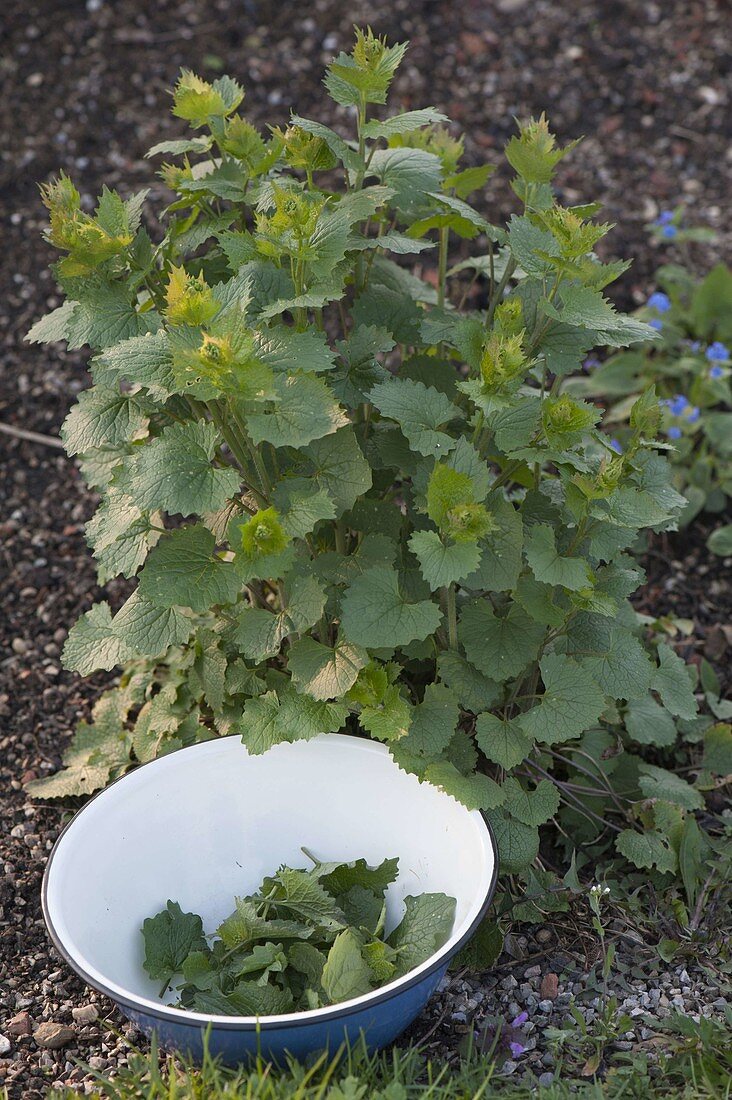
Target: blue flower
{"type": "Point", "coordinates": [677, 405]}
{"type": "Point", "coordinates": [669, 231]}
{"type": "Point", "coordinates": [674, 432]}
{"type": "Point", "coordinates": [656, 323]}
{"type": "Point", "coordinates": [694, 345]}
{"type": "Point", "coordinates": [591, 362]}
{"type": "Point", "coordinates": [715, 372]}
{"type": "Point", "coordinates": [615, 444]}
{"type": "Point", "coordinates": [660, 302]}
{"type": "Point", "coordinates": [717, 352]}
{"type": "Point", "coordinates": [665, 217]}
{"type": "Point", "coordinates": [693, 414]}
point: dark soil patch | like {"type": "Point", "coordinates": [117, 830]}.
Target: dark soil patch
{"type": "Point", "coordinates": [85, 90]}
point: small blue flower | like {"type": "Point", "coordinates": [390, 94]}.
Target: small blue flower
{"type": "Point", "coordinates": [715, 372]}
{"type": "Point", "coordinates": [665, 217]}
{"type": "Point", "coordinates": [674, 432]}
{"type": "Point", "coordinates": [678, 405]}
{"type": "Point", "coordinates": [517, 1049]}
{"type": "Point", "coordinates": [660, 302]}
{"type": "Point", "coordinates": [694, 346]}
{"type": "Point", "coordinates": [669, 231]}
{"type": "Point", "coordinates": [591, 362]}
{"type": "Point", "coordinates": [693, 414]}
{"type": "Point", "coordinates": [656, 323]}
{"type": "Point", "coordinates": [717, 352]}
{"type": "Point", "coordinates": [615, 444]}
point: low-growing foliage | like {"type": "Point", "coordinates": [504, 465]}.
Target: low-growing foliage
{"type": "Point", "coordinates": [350, 501]}
{"type": "Point", "coordinates": [691, 366]}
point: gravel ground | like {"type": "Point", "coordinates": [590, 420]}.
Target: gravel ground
{"type": "Point", "coordinates": [84, 89]}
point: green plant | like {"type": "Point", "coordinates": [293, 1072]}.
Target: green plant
{"type": "Point", "coordinates": [349, 501]}
{"type": "Point", "coordinates": [690, 368]}
{"type": "Point", "coordinates": [304, 939]}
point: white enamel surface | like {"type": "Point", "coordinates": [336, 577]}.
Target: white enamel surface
{"type": "Point", "coordinates": [205, 824]}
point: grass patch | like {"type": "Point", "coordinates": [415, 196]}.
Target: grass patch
{"type": "Point", "coordinates": [693, 1062]}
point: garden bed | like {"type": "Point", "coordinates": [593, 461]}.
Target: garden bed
{"type": "Point", "coordinates": [84, 78]}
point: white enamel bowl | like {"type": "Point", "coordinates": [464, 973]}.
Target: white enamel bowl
{"type": "Point", "coordinates": [207, 823]}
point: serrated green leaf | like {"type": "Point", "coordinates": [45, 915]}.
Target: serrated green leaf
{"type": "Point", "coordinates": [718, 749]}
{"type": "Point", "coordinates": [518, 844]}
{"type": "Point", "coordinates": [672, 681]}
{"type": "Point", "coordinates": [337, 465]}
{"type": "Point", "coordinates": [104, 315]}
{"type": "Point", "coordinates": [572, 702]}
{"type": "Point", "coordinates": [120, 535]}
{"type": "Point", "coordinates": [530, 807]}
{"type": "Point", "coordinates": [53, 327]}
{"type": "Point", "coordinates": [443, 563]}
{"type": "Point", "coordinates": [93, 642]}
{"type": "Point", "coordinates": [148, 630]}
{"type": "Point", "coordinates": [404, 123]}
{"type": "Point", "coordinates": [474, 691]}
{"type": "Point", "coordinates": [648, 723]}
{"type": "Point", "coordinates": [619, 663]}
{"type": "Point", "coordinates": [373, 610]}
{"type": "Point", "coordinates": [411, 173]}
{"type": "Point", "coordinates": [103, 417]}
{"type": "Point", "coordinates": [583, 307]}
{"type": "Point", "coordinates": [420, 411]}
{"type": "Point", "coordinates": [660, 783]}
{"type": "Point", "coordinates": [646, 850]}
{"type": "Point", "coordinates": [183, 570]}
{"type": "Point", "coordinates": [302, 410]}
{"type": "Point", "coordinates": [390, 718]}
{"type": "Point", "coordinates": [503, 742]}
{"type": "Point", "coordinates": [285, 715]}
{"type": "Point", "coordinates": [175, 472]}
{"type": "Point", "coordinates": [426, 925]}
{"type": "Point", "coordinates": [302, 505]}
{"type": "Point", "coordinates": [170, 937]}
{"type": "Point", "coordinates": [550, 566]}
{"type": "Point", "coordinates": [499, 647]}
{"type": "Point", "coordinates": [94, 753]}
{"type": "Point", "coordinates": [144, 360]}
{"type": "Point", "coordinates": [433, 723]}
{"type": "Point", "coordinates": [477, 792]}
{"type": "Point", "coordinates": [325, 672]}
{"type": "Point", "coordinates": [284, 349]}
{"type": "Point", "coordinates": [346, 973]}
{"type": "Point", "coordinates": [259, 634]}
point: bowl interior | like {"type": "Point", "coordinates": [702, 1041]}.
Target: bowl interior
{"type": "Point", "coordinates": [205, 824]}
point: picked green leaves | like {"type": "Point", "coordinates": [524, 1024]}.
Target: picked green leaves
{"type": "Point", "coordinates": [304, 939]}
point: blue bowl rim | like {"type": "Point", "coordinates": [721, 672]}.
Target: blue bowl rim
{"type": "Point", "coordinates": [179, 1017]}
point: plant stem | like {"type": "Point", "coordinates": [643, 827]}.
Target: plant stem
{"type": "Point", "coordinates": [254, 452]}
{"type": "Point", "coordinates": [442, 266]}
{"type": "Point", "coordinates": [451, 616]}
{"type": "Point", "coordinates": [510, 268]}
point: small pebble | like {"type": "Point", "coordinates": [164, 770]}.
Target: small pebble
{"type": "Point", "coordinates": [85, 1014]}
{"type": "Point", "coordinates": [53, 1035]}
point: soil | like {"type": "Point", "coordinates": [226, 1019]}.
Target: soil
{"type": "Point", "coordinates": [85, 90]}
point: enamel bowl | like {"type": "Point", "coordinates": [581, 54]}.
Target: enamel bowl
{"type": "Point", "coordinates": [207, 823]}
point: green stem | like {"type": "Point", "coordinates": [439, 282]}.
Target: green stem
{"type": "Point", "coordinates": [451, 616]}
{"type": "Point", "coordinates": [442, 266]}
{"type": "Point", "coordinates": [510, 268]}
